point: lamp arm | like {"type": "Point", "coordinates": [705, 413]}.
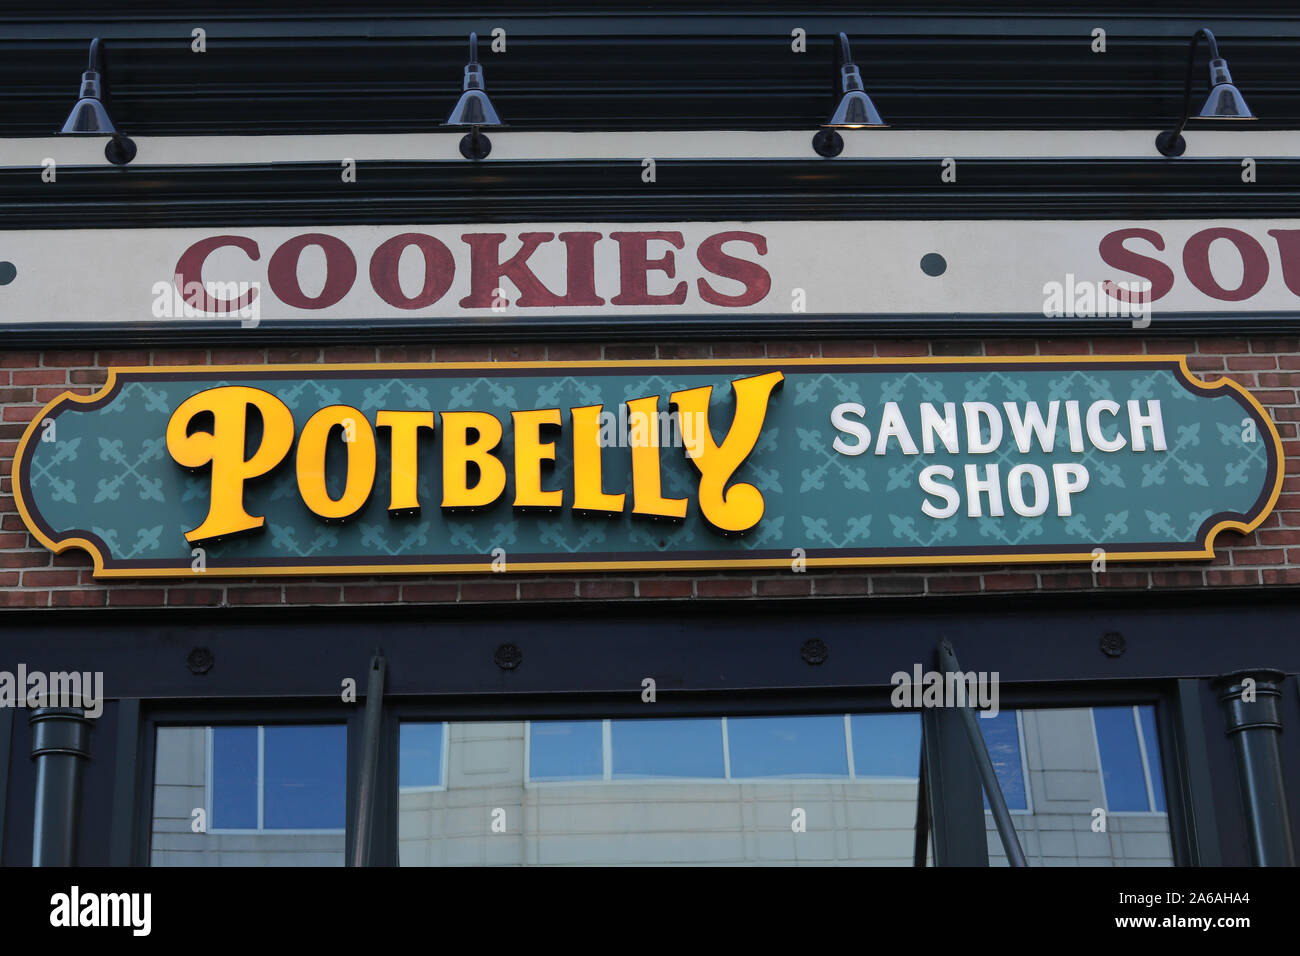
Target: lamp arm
{"type": "Point", "coordinates": [1191, 68]}
{"type": "Point", "coordinates": [95, 59]}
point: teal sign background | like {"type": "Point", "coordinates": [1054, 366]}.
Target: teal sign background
{"type": "Point", "coordinates": [108, 480]}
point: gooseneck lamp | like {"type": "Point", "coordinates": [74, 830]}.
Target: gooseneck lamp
{"type": "Point", "coordinates": [474, 109]}
{"type": "Point", "coordinates": [89, 117]}
{"type": "Point", "coordinates": [1225, 101]}
{"type": "Point", "coordinates": [855, 109]}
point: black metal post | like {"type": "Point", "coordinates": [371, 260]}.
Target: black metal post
{"type": "Point", "coordinates": [1251, 705]}
{"type": "Point", "coordinates": [988, 776]}
{"type": "Point", "coordinates": [362, 848]}
{"type": "Point", "coordinates": [60, 742]}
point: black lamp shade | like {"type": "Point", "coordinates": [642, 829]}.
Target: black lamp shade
{"type": "Point", "coordinates": [474, 109]}
{"type": "Point", "coordinates": [1225, 101]}
{"type": "Point", "coordinates": [88, 116]}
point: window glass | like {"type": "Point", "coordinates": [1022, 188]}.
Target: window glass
{"type": "Point", "coordinates": [886, 745]}
{"type": "Point", "coordinates": [667, 748]}
{"type": "Point", "coordinates": [305, 777]}
{"type": "Point", "coordinates": [420, 754]}
{"type": "Point", "coordinates": [234, 778]}
{"type": "Point", "coordinates": [811, 746]}
{"type": "Point", "coordinates": [566, 750]}
{"type": "Point", "coordinates": [1147, 714]}
{"type": "Point", "coordinates": [1002, 737]}
{"type": "Point", "coordinates": [657, 791]}
{"type": "Point", "coordinates": [1081, 768]}
{"type": "Point", "coordinates": [272, 795]}
{"type": "Point", "coordinates": [1121, 759]}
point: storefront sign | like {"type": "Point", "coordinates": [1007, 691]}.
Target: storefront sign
{"type": "Point", "coordinates": [315, 469]}
{"type": "Point", "coordinates": [522, 273]}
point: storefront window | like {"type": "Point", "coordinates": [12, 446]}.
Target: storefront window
{"type": "Point", "coordinates": [817, 789]}
{"type": "Point", "coordinates": [1092, 792]}
{"type": "Point", "coordinates": [250, 795]}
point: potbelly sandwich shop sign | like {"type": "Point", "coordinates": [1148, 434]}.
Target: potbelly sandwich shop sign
{"type": "Point", "coordinates": [447, 275]}
{"type": "Point", "coordinates": [375, 469]}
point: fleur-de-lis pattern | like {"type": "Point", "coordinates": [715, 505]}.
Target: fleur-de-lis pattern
{"type": "Point", "coordinates": [109, 472]}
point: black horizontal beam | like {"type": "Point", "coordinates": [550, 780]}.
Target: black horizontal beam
{"type": "Point", "coordinates": [396, 67]}
{"type": "Point", "coordinates": [404, 192]}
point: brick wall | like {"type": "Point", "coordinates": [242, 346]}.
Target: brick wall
{"type": "Point", "coordinates": [30, 576]}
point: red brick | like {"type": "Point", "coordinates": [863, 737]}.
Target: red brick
{"type": "Point", "coordinates": [253, 595]}
{"type": "Point", "coordinates": [88, 376]}
{"type": "Point", "coordinates": [1273, 536]}
{"type": "Point", "coordinates": [300, 356]}
{"type": "Point", "coordinates": [81, 597]}
{"type": "Point", "coordinates": [131, 597]}
{"type": "Point", "coordinates": [898, 584]}
{"type": "Point", "coordinates": [179, 357]}
{"type": "Point", "coordinates": [20, 413]}
{"type": "Point", "coordinates": [195, 597]}
{"type": "Point", "coordinates": [1061, 580]}
{"type": "Point", "coordinates": [8, 395]}
{"type": "Point", "coordinates": [1222, 346]}
{"type": "Point", "coordinates": [1011, 347]}
{"type": "Point", "coordinates": [1010, 582]}
{"type": "Point", "coordinates": [605, 589]}
{"type": "Point", "coordinates": [342, 354]}
{"type": "Point", "coordinates": [14, 540]}
{"type": "Point", "coordinates": [1278, 344]}
{"type": "Point", "coordinates": [544, 590]}
{"type": "Point", "coordinates": [793, 584]}
{"type": "Point", "coordinates": [518, 353]}
{"type": "Point", "coordinates": [630, 353]}
{"type": "Point", "coordinates": [61, 359]}
{"type": "Point", "coordinates": [1243, 578]}
{"type": "Point", "coordinates": [853, 348]}
{"type": "Point", "coordinates": [954, 347]}
{"type": "Point", "coordinates": [792, 350]}
{"type": "Point", "coordinates": [430, 593]}
{"type": "Point", "coordinates": [969, 582]}
{"type": "Point", "coordinates": [24, 559]}
{"type": "Point", "coordinates": [15, 598]}
{"type": "Point", "coordinates": [1264, 556]}
{"type": "Point", "coordinates": [405, 353]}
{"type": "Point", "coordinates": [371, 594]}
{"type": "Point", "coordinates": [665, 588]}
{"type": "Point", "coordinates": [238, 356]}
{"type": "Point", "coordinates": [44, 376]}
{"type": "Point", "coordinates": [489, 591]}
{"type": "Point", "coordinates": [841, 585]}
{"type": "Point", "coordinates": [1115, 578]}
{"type": "Point", "coordinates": [1280, 575]}
{"type": "Point", "coordinates": [1129, 346]}
{"type": "Point", "coordinates": [297, 594]}
{"type": "Point", "coordinates": [887, 349]}
{"type": "Point", "coordinates": [1177, 579]}
{"type": "Point", "coordinates": [121, 359]}
{"type": "Point", "coordinates": [59, 577]}
{"type": "Point", "coordinates": [463, 353]}
{"type": "Point", "coordinates": [1064, 347]}
{"type": "Point", "coordinates": [673, 350]}
{"type": "Point", "coordinates": [741, 350]}
{"type": "Point", "coordinates": [724, 587]}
